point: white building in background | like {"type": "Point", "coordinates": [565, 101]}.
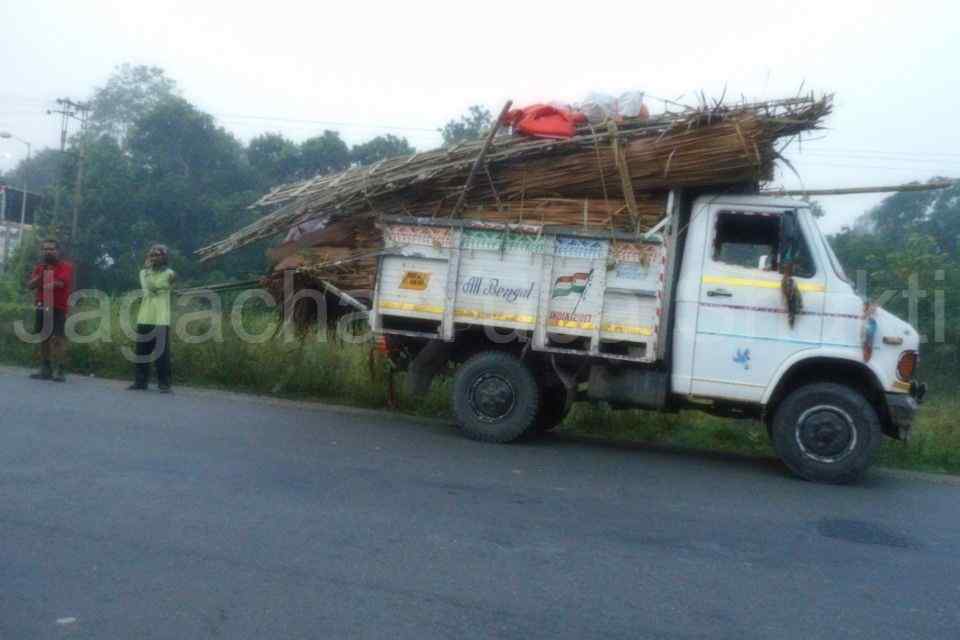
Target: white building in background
{"type": "Point", "coordinates": [10, 235]}
{"type": "Point", "coordinates": [11, 210]}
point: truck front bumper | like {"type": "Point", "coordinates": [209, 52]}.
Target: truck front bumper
{"type": "Point", "coordinates": [903, 407]}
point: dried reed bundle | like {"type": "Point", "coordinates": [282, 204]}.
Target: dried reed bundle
{"type": "Point", "coordinates": [306, 311]}
{"type": "Point", "coordinates": [572, 212]}
{"type": "Point", "coordinates": [711, 146]}
{"type": "Point", "coordinates": [348, 265]}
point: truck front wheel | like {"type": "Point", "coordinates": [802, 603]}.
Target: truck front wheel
{"type": "Point", "coordinates": [826, 432]}
{"type": "Point", "coordinates": [495, 397]}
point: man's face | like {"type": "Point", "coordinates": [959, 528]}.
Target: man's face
{"type": "Point", "coordinates": [50, 252]}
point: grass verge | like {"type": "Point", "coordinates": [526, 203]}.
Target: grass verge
{"type": "Point", "coordinates": [322, 369]}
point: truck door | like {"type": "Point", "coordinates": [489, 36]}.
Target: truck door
{"type": "Point", "coordinates": [745, 328]}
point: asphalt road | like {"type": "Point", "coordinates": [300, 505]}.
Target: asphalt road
{"type": "Point", "coordinates": [213, 515]}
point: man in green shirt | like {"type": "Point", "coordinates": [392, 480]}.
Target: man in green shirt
{"type": "Point", "coordinates": [153, 320]}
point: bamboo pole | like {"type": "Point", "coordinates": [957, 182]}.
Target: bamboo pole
{"type": "Point", "coordinates": [623, 169]}
{"type": "Point", "coordinates": [353, 302]}
{"type": "Point", "coordinates": [930, 186]}
{"type": "Point", "coordinates": [219, 288]}
{"type": "Point", "coordinates": [480, 157]}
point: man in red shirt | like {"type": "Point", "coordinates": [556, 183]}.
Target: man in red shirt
{"type": "Point", "coordinates": [52, 279]}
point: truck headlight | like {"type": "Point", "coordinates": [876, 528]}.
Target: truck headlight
{"type": "Point", "coordinates": [907, 365]}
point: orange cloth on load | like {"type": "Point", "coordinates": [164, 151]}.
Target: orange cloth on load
{"type": "Point", "coordinates": [544, 121]}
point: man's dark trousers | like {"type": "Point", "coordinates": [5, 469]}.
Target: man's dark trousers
{"type": "Point", "coordinates": [153, 345]}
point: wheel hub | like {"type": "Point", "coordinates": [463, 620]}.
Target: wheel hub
{"type": "Point", "coordinates": [826, 434]}
{"type": "Point", "coordinates": [492, 397]}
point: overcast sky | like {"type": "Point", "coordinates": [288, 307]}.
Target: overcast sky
{"type": "Point", "coordinates": [408, 67]}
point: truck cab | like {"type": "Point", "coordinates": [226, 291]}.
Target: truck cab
{"type": "Point", "coordinates": [738, 343]}
{"type": "Point", "coordinates": [735, 305]}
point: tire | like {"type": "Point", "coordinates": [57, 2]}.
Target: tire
{"type": "Point", "coordinates": [826, 432]}
{"type": "Point", "coordinates": [495, 397]}
{"type": "Point", "coordinates": [553, 407]}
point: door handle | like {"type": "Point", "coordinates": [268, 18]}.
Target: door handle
{"type": "Point", "coordinates": [719, 293]}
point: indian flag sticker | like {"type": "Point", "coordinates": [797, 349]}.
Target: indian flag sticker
{"type": "Point", "coordinates": [575, 283]}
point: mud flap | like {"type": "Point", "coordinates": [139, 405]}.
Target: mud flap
{"type": "Point", "coordinates": [425, 366]}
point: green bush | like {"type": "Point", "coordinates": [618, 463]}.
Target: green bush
{"type": "Point", "coordinates": [12, 349]}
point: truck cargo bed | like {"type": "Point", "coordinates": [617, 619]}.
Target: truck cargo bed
{"type": "Point", "coordinates": [566, 289]}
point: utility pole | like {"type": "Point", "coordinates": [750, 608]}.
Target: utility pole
{"type": "Point", "coordinates": [71, 110]}
{"type": "Point", "coordinates": [78, 190]}
{"type": "Point", "coordinates": [65, 114]}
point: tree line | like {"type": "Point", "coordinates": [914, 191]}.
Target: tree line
{"type": "Point", "coordinates": [159, 169]}
{"type": "Point", "coordinates": [904, 254]}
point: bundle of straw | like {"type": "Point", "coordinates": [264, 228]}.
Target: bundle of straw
{"type": "Point", "coordinates": [572, 212]}
{"type": "Point", "coordinates": [709, 146]}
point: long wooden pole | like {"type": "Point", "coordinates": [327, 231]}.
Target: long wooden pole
{"type": "Point", "coordinates": [480, 157]}
{"type": "Point", "coordinates": [219, 288]}
{"type": "Point", "coordinates": [930, 186]}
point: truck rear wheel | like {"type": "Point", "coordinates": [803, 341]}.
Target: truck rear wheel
{"type": "Point", "coordinates": [495, 397]}
{"type": "Point", "coordinates": [826, 432]}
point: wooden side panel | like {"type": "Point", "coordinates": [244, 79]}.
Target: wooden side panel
{"type": "Point", "coordinates": [633, 286]}
{"type": "Point", "coordinates": [499, 279]}
{"type": "Point", "coordinates": [412, 287]}
{"type": "Point", "coordinates": [576, 286]}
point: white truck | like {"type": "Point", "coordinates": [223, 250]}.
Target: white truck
{"type": "Point", "coordinates": [734, 304]}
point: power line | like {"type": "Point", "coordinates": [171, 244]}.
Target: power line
{"type": "Point", "coordinates": [832, 156]}
{"type": "Point", "coordinates": [331, 123]}
{"type": "Point", "coordinates": [32, 109]}
{"type": "Point", "coordinates": [35, 102]}
{"type": "Point", "coordinates": [800, 161]}
{"type": "Point", "coordinates": [797, 153]}
{"type": "Point", "coordinates": [840, 151]}
{"type": "Point", "coordinates": [22, 98]}
{"type": "Point", "coordinates": [29, 103]}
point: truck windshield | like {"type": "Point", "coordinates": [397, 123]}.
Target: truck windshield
{"type": "Point", "coordinates": [834, 261]}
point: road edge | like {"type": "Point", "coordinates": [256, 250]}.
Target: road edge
{"type": "Point", "coordinates": [343, 409]}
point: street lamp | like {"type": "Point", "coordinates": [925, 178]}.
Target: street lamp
{"type": "Point", "coordinates": [26, 167]}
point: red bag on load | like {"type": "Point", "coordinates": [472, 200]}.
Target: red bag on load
{"type": "Point", "coordinates": [544, 121]}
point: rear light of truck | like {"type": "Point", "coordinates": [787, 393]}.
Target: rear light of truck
{"type": "Point", "coordinates": [907, 365]}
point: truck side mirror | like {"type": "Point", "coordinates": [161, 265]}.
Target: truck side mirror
{"type": "Point", "coordinates": [790, 239]}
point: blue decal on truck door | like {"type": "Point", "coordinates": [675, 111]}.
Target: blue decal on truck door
{"type": "Point", "coordinates": [743, 357]}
